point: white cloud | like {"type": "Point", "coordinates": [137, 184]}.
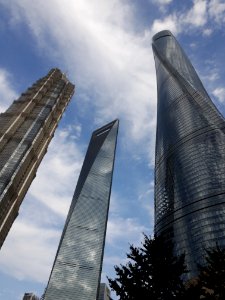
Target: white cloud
{"type": "Point", "coordinates": [103, 54]}
{"type": "Point", "coordinates": [35, 233]}
{"type": "Point", "coordinates": [212, 73]}
{"type": "Point", "coordinates": [207, 32]}
{"type": "Point", "coordinates": [113, 260]}
{"type": "Point", "coordinates": [162, 4]}
{"type": "Point", "coordinates": [177, 22]}
{"type": "Point", "coordinates": [217, 10]}
{"type": "Point", "coordinates": [219, 93]}
{"type": "Point", "coordinates": [31, 261]}
{"type": "Point", "coordinates": [7, 92]}
{"type": "Point", "coordinates": [201, 14]}
{"type": "Point", "coordinates": [197, 15]}
{"type": "Point", "coordinates": [170, 22]}
{"type": "Point", "coordinates": [124, 230]}
{"type": "Point", "coordinates": [146, 200]}
{"type": "Point", "coordinates": [58, 173]}
{"type": "Point", "coordinates": [121, 233]}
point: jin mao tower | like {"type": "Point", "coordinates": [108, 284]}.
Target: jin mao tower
{"type": "Point", "coordinates": [77, 267]}
{"type": "Point", "coordinates": [27, 128]}
{"type": "Point", "coordinates": [190, 156]}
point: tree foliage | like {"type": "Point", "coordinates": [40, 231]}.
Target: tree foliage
{"type": "Point", "coordinates": [211, 279]}
{"type": "Point", "coordinates": [152, 272]}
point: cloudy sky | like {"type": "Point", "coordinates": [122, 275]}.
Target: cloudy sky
{"type": "Point", "coordinates": [104, 46]}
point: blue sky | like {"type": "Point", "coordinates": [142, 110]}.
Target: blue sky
{"type": "Point", "coordinates": [104, 46]}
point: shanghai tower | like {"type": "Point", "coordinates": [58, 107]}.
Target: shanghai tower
{"type": "Point", "coordinates": [77, 267]}
{"type": "Point", "coordinates": [27, 128]}
{"type": "Point", "coordinates": [190, 156]}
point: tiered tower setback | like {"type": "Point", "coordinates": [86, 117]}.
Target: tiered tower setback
{"type": "Point", "coordinates": [26, 129]}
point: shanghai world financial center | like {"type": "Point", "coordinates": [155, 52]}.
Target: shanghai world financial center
{"type": "Point", "coordinates": [77, 268]}
{"type": "Point", "coordinates": [189, 170]}
{"type": "Point", "coordinates": [28, 126]}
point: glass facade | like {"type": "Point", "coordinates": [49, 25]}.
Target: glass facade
{"type": "Point", "coordinates": [104, 292]}
{"type": "Point", "coordinates": [190, 156]}
{"type": "Point", "coordinates": [30, 296]}
{"type": "Point", "coordinates": [77, 267]}
{"type": "Point", "coordinates": [27, 127]}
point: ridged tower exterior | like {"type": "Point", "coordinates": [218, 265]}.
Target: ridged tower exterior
{"type": "Point", "coordinates": [77, 267]}
{"type": "Point", "coordinates": [190, 156]}
{"type": "Point", "coordinates": [26, 129]}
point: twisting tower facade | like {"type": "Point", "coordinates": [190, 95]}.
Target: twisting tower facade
{"type": "Point", "coordinates": [190, 156]}
{"type": "Point", "coordinates": [77, 267]}
{"type": "Point", "coordinates": [27, 128]}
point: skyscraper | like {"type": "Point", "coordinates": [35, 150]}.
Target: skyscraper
{"type": "Point", "coordinates": [30, 296]}
{"type": "Point", "coordinates": [104, 292]}
{"type": "Point", "coordinates": [190, 156]}
{"type": "Point", "coordinates": [27, 128]}
{"type": "Point", "coordinates": [77, 267]}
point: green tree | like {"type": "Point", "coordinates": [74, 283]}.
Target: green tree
{"type": "Point", "coordinates": [211, 279]}
{"type": "Point", "coordinates": [152, 272]}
